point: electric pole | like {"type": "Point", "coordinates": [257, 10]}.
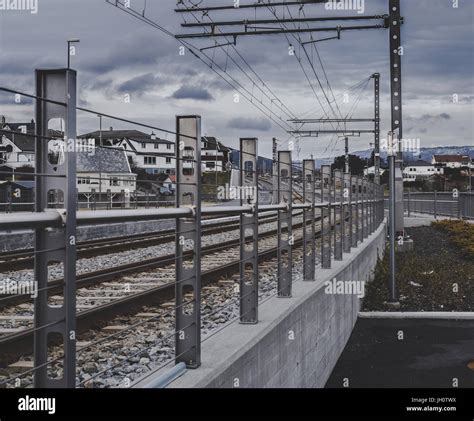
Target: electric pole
{"type": "Point", "coordinates": [346, 156]}
{"type": "Point", "coordinates": [376, 77]}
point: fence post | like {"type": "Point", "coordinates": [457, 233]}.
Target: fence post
{"type": "Point", "coordinates": [326, 217]}
{"type": "Point", "coordinates": [347, 209]}
{"type": "Point", "coordinates": [408, 203]}
{"type": "Point", "coordinates": [355, 210]}
{"type": "Point", "coordinates": [285, 233]}
{"type": "Point", "coordinates": [360, 198]}
{"type": "Point", "coordinates": [366, 208]}
{"type": "Point", "coordinates": [459, 205]}
{"type": "Point", "coordinates": [373, 196]}
{"type": "Point", "coordinates": [435, 204]}
{"type": "Point", "coordinates": [9, 207]}
{"type": "Point", "coordinates": [57, 245]}
{"type": "Point", "coordinates": [188, 239]}
{"type": "Point", "coordinates": [248, 265]}
{"type": "Point", "coordinates": [381, 204]}
{"type": "Point", "coordinates": [309, 234]}
{"type": "Point", "coordinates": [338, 219]}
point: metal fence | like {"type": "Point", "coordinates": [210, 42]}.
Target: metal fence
{"type": "Point", "coordinates": [351, 208]}
{"type": "Point", "coordinates": [454, 204]}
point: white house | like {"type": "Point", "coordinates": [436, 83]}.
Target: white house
{"type": "Point", "coordinates": [144, 151]}
{"type": "Point", "coordinates": [17, 149]}
{"type": "Point", "coordinates": [214, 155]}
{"type": "Point", "coordinates": [418, 169]}
{"type": "Point", "coordinates": [371, 171]}
{"type": "Point", "coordinates": [104, 170]}
{"type": "Point", "coordinates": [452, 161]}
{"type": "Point", "coordinates": [99, 169]}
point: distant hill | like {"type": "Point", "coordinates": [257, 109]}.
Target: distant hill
{"type": "Point", "coordinates": [425, 153]}
{"type": "Point", "coordinates": [264, 164]}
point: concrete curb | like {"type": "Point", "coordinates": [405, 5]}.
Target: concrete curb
{"type": "Point", "coordinates": [432, 315]}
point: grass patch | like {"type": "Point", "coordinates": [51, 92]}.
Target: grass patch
{"type": "Point", "coordinates": [436, 276]}
{"type": "Point", "coordinates": [460, 233]}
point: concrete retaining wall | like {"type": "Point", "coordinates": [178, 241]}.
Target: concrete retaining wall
{"type": "Point", "coordinates": [297, 341]}
{"type": "Point", "coordinates": [24, 239]}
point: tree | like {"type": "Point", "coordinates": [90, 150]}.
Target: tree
{"type": "Point", "coordinates": [356, 164]}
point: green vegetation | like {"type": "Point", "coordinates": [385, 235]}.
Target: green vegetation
{"type": "Point", "coordinates": [211, 181]}
{"type": "Point", "coordinates": [437, 276]}
{"type": "Point", "coordinates": [460, 233]}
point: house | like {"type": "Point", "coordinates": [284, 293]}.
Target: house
{"type": "Point", "coordinates": [17, 149]}
{"type": "Point", "coordinates": [452, 161]}
{"type": "Point", "coordinates": [371, 171]}
{"type": "Point", "coordinates": [419, 169]}
{"type": "Point", "coordinates": [104, 171]}
{"type": "Point", "coordinates": [170, 183]}
{"type": "Point", "coordinates": [144, 151]}
{"type": "Point", "coordinates": [17, 144]}
{"type": "Point", "coordinates": [214, 155]}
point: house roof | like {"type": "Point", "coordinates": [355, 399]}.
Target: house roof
{"type": "Point", "coordinates": [419, 163]}
{"type": "Point", "coordinates": [30, 127]}
{"type": "Point", "coordinates": [103, 159]}
{"type": "Point", "coordinates": [452, 158]}
{"type": "Point", "coordinates": [115, 134]}
{"type": "Point", "coordinates": [135, 135]}
{"type": "Point", "coordinates": [212, 142]}
{"type": "Point", "coordinates": [26, 143]}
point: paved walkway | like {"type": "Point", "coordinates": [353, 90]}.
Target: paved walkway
{"type": "Point", "coordinates": [431, 354]}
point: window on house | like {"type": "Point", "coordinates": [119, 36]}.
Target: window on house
{"type": "Point", "coordinates": [143, 145]}
{"type": "Point", "coordinates": [114, 181]}
{"type": "Point", "coordinates": [157, 145]}
{"type": "Point", "coordinates": [149, 160]}
{"type": "Point", "coordinates": [168, 146]}
{"type": "Point", "coordinates": [168, 160]}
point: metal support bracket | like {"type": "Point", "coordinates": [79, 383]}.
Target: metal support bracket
{"type": "Point", "coordinates": [326, 217]}
{"type": "Point", "coordinates": [355, 210]}
{"type": "Point", "coordinates": [55, 324]}
{"type": "Point", "coordinates": [338, 214]}
{"type": "Point", "coordinates": [248, 265]}
{"type": "Point", "coordinates": [360, 198]}
{"type": "Point", "coordinates": [347, 213]}
{"type": "Point", "coordinates": [285, 233]}
{"type": "Point", "coordinates": [188, 239]}
{"type": "Point", "coordinates": [309, 233]}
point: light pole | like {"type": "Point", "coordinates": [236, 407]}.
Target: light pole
{"type": "Point", "coordinates": [69, 42]}
{"type": "Point", "coordinates": [346, 154]}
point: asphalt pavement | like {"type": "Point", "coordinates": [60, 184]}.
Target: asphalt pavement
{"type": "Point", "coordinates": [403, 353]}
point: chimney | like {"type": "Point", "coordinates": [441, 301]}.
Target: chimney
{"type": "Point", "coordinates": [3, 120]}
{"type": "Point", "coordinates": [153, 136]}
{"type": "Point", "coordinates": [111, 129]}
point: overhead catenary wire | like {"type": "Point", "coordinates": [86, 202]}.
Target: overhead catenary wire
{"type": "Point", "coordinates": [283, 107]}
{"type": "Point", "coordinates": [231, 81]}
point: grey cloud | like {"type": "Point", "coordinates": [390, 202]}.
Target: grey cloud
{"type": "Point", "coordinates": [250, 123]}
{"type": "Point", "coordinates": [192, 92]}
{"type": "Point", "coordinates": [139, 85]}
{"type": "Point", "coordinates": [430, 118]}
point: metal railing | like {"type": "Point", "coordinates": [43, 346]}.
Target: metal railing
{"type": "Point", "coordinates": [454, 204]}
{"type": "Point", "coordinates": [351, 209]}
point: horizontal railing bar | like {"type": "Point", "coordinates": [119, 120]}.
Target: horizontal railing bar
{"type": "Point", "coordinates": [52, 218]}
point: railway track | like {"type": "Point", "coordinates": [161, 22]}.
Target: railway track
{"type": "Point", "coordinates": [24, 259]}
{"type": "Point", "coordinates": [100, 300]}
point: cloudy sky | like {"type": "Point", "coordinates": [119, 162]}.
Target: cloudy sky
{"type": "Point", "coordinates": [120, 55]}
